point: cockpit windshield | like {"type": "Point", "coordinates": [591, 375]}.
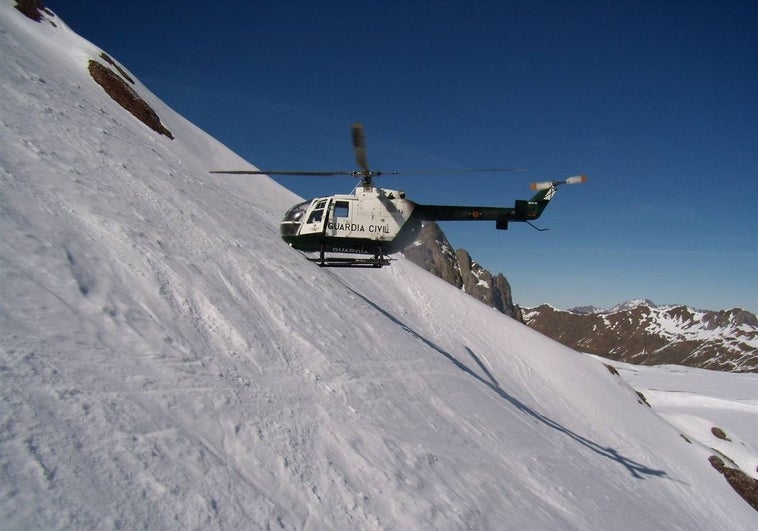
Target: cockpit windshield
{"type": "Point", "coordinates": [293, 218]}
{"type": "Point", "coordinates": [296, 213]}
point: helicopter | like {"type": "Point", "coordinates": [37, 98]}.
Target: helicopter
{"type": "Point", "coordinates": [379, 222]}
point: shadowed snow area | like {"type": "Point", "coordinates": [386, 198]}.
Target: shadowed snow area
{"type": "Point", "coordinates": [167, 361]}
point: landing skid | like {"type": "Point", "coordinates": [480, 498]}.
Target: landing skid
{"type": "Point", "coordinates": [324, 260]}
{"type": "Point", "coordinates": [338, 261]}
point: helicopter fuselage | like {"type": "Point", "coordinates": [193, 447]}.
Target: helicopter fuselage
{"type": "Point", "coordinates": [379, 221]}
{"type": "Point", "coordinates": [372, 221]}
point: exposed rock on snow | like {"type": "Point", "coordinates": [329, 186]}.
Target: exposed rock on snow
{"type": "Point", "coordinates": [125, 96]}
{"type": "Point", "coordinates": [434, 253]}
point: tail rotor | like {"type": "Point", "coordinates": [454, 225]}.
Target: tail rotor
{"type": "Point", "coordinates": [545, 185]}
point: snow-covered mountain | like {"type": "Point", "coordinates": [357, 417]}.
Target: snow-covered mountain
{"type": "Point", "coordinates": [167, 362]}
{"type": "Point", "coordinates": [638, 331]}
{"type": "Point", "coordinates": [642, 332]}
{"type": "Point", "coordinates": [626, 305]}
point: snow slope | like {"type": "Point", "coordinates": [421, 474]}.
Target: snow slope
{"type": "Point", "coordinates": [698, 400]}
{"type": "Point", "coordinates": [167, 362]}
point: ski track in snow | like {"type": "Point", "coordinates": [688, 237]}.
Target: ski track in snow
{"type": "Point", "coordinates": [167, 362]}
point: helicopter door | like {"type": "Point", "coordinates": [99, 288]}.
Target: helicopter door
{"type": "Point", "coordinates": [339, 217]}
{"type": "Point", "coordinates": [317, 216]}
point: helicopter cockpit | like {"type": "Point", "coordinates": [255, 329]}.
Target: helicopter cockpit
{"type": "Point", "coordinates": [293, 218]}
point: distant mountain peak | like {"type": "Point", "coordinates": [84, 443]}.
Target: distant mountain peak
{"type": "Point", "coordinates": [627, 305]}
{"type": "Point", "coordinates": [631, 304]}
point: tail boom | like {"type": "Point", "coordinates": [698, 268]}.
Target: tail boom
{"type": "Point", "coordinates": [523, 210]}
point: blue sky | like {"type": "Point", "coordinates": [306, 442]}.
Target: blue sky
{"type": "Point", "coordinates": [654, 101]}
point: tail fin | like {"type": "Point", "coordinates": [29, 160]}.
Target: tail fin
{"type": "Point", "coordinates": [577, 179]}
{"type": "Point", "coordinates": [547, 189]}
{"type": "Point", "coordinates": [532, 209]}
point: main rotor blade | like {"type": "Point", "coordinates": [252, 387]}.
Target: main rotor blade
{"type": "Point", "coordinates": [365, 171]}
{"type": "Point", "coordinates": [453, 171]}
{"type": "Point", "coordinates": [359, 145]}
{"type": "Point", "coordinates": [279, 172]}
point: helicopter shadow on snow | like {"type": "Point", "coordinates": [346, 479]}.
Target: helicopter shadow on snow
{"type": "Point", "coordinates": [637, 470]}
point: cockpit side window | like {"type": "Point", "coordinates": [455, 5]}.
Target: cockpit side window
{"type": "Point", "coordinates": [342, 209]}
{"type": "Point", "coordinates": [318, 212]}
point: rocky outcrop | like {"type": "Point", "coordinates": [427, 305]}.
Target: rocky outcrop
{"type": "Point", "coordinates": [433, 252]}
{"type": "Point", "coordinates": [118, 89]}
{"type": "Point", "coordinates": [34, 9]}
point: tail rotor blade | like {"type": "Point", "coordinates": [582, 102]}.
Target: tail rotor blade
{"type": "Point", "coordinates": [543, 185]}
{"type": "Point", "coordinates": [576, 179]}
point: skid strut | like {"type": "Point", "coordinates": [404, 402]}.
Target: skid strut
{"type": "Point", "coordinates": [323, 260]}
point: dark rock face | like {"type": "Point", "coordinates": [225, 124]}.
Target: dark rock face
{"type": "Point", "coordinates": [479, 283]}
{"type": "Point", "coordinates": [433, 252]}
{"type": "Point", "coordinates": [118, 89]}
{"type": "Point", "coordinates": [34, 9]}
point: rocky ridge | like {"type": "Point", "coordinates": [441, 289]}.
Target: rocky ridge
{"type": "Point", "coordinates": [433, 252]}
{"type": "Point", "coordinates": [646, 334]}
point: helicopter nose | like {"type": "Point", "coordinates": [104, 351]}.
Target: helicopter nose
{"type": "Point", "coordinates": [288, 228]}
{"type": "Point", "coordinates": [292, 219]}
